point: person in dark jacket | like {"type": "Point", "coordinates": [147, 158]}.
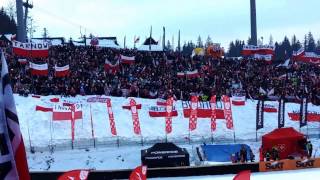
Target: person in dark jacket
{"type": "Point", "coordinates": [309, 148]}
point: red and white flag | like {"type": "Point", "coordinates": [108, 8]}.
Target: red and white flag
{"type": "Point", "coordinates": [111, 118]}
{"type": "Point", "coordinates": [23, 61]}
{"type": "Point", "coordinates": [111, 68]}
{"type": "Point", "coordinates": [180, 74]}
{"type": "Point", "coordinates": [139, 173]}
{"type": "Point", "coordinates": [127, 59]}
{"type": "Point", "coordinates": [228, 111]}
{"type": "Point", "coordinates": [13, 160]}
{"type": "Point", "coordinates": [54, 100]}
{"type": "Point", "coordinates": [161, 102]}
{"type": "Point", "coordinates": [213, 105]}
{"type": "Point", "coordinates": [169, 109]}
{"type": "Point", "coordinates": [73, 110]}
{"type": "Point", "coordinates": [307, 57]}
{"type": "Point", "coordinates": [75, 175]}
{"type": "Point", "coordinates": [192, 74]}
{"type": "Point", "coordinates": [34, 50]}
{"type": "Point", "coordinates": [243, 175]}
{"type": "Point", "coordinates": [135, 117]}
{"type": "Point", "coordinates": [193, 114]}
{"type": "Point", "coordinates": [238, 100]}
{"type": "Point", "coordinates": [62, 71]}
{"type": "Point", "coordinates": [44, 109]}
{"type": "Point", "coordinates": [39, 69]}
{"type": "Point", "coordinates": [61, 112]}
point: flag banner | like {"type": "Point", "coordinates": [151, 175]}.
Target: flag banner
{"type": "Point", "coordinates": [111, 118]}
{"type": "Point", "coordinates": [61, 112]}
{"type": "Point", "coordinates": [44, 109]}
{"type": "Point", "coordinates": [72, 121]}
{"type": "Point", "coordinates": [312, 116]}
{"type": "Point", "coordinates": [306, 57]}
{"type": "Point", "coordinates": [23, 61]}
{"type": "Point", "coordinates": [249, 50]}
{"type": "Point", "coordinates": [139, 173]}
{"type": "Point", "coordinates": [268, 108]}
{"type": "Point", "coordinates": [127, 59]}
{"type": "Point", "coordinates": [267, 57]}
{"type": "Point", "coordinates": [259, 116]}
{"type": "Point", "coordinates": [136, 40]}
{"type": "Point", "coordinates": [228, 111]}
{"type": "Point", "coordinates": [13, 160]}
{"type": "Point", "coordinates": [243, 175]}
{"type": "Point", "coordinates": [281, 113]}
{"type": "Point", "coordinates": [111, 68]}
{"type": "Point", "coordinates": [192, 74]}
{"type": "Point", "coordinates": [39, 69]}
{"type": "Point", "coordinates": [180, 74]}
{"type": "Point", "coordinates": [238, 100]}
{"type": "Point", "coordinates": [213, 105]}
{"type": "Point", "coordinates": [161, 111]}
{"type": "Point", "coordinates": [34, 50]}
{"type": "Point", "coordinates": [75, 175]}
{"type": "Point", "coordinates": [161, 102]}
{"type": "Point", "coordinates": [54, 100]}
{"type": "Point", "coordinates": [303, 112]}
{"type": "Point", "coordinates": [169, 110]}
{"type": "Point", "coordinates": [128, 107]}
{"type": "Point", "coordinates": [204, 110]}
{"type": "Point", "coordinates": [135, 117]}
{"type": "Point", "coordinates": [62, 71]}
{"type": "Point", "coordinates": [193, 114]}
{"type": "Point", "coordinates": [97, 99]}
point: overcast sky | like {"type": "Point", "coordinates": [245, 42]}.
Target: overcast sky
{"type": "Point", "coordinates": [222, 20]}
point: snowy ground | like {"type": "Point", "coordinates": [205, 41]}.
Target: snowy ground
{"type": "Point", "coordinates": [39, 131]}
{"type": "Point", "coordinates": [307, 174]}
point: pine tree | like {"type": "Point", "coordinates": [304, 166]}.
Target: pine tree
{"type": "Point", "coordinates": [199, 42]}
{"type": "Point", "coordinates": [208, 42]}
{"type": "Point", "coordinates": [311, 46]}
{"type": "Point", "coordinates": [271, 40]}
{"type": "Point", "coordinates": [7, 23]}
{"type": "Point", "coordinates": [45, 33]}
{"type": "Point", "coordinates": [168, 46]}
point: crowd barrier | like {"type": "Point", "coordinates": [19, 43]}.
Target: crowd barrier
{"type": "Point", "coordinates": [160, 172]}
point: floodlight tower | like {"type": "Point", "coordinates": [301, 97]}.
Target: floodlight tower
{"type": "Point", "coordinates": [253, 22]}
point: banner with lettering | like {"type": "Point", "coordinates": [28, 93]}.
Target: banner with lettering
{"type": "Point", "coordinates": [34, 50]}
{"type": "Point", "coordinates": [111, 118]}
{"type": "Point", "coordinates": [213, 113]}
{"type": "Point", "coordinates": [193, 114]}
{"type": "Point", "coordinates": [259, 116]}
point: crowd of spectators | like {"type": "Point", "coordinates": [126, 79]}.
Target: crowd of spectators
{"type": "Point", "coordinates": [154, 75]}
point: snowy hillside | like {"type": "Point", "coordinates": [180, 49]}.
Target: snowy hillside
{"type": "Point", "coordinates": [108, 155]}
{"type": "Point", "coordinates": [41, 129]}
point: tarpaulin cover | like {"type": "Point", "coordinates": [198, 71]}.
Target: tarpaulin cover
{"type": "Point", "coordinates": [223, 152]}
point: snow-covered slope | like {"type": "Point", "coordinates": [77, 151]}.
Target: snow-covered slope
{"type": "Point", "coordinates": [41, 129]}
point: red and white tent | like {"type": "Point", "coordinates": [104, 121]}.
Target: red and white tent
{"type": "Point", "coordinates": [62, 71]}
{"type": "Point", "coordinates": [39, 69]}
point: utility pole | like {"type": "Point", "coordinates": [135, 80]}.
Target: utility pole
{"type": "Point", "coordinates": [20, 25]}
{"type": "Point", "coordinates": [253, 22]}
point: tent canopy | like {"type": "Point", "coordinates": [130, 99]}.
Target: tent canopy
{"type": "Point", "coordinates": [287, 140]}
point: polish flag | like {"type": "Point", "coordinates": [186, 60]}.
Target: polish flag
{"type": "Point", "coordinates": [61, 112]}
{"type": "Point", "coordinates": [22, 61]}
{"type": "Point", "coordinates": [238, 100]}
{"type": "Point", "coordinates": [75, 175]}
{"type": "Point", "coordinates": [192, 74]}
{"type": "Point", "coordinates": [111, 68]}
{"type": "Point", "coordinates": [35, 50]}
{"type": "Point", "coordinates": [62, 71]}
{"type": "Point", "coordinates": [39, 69]}
{"type": "Point", "coordinates": [180, 74]}
{"type": "Point", "coordinates": [127, 59]}
{"type": "Point", "coordinates": [55, 100]}
{"type": "Point", "coordinates": [44, 109]}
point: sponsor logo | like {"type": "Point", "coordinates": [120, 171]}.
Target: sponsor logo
{"type": "Point", "coordinates": [305, 164]}
{"type": "Point", "coordinates": [274, 166]}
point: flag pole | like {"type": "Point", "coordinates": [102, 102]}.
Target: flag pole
{"type": "Point", "coordinates": [92, 131]}
{"type": "Point", "coordinates": [134, 42]}
{"type": "Point", "coordinates": [30, 146]}
{"type": "Point", "coordinates": [150, 38]}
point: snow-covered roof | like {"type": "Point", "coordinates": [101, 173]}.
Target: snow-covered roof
{"type": "Point", "coordinates": [104, 42]}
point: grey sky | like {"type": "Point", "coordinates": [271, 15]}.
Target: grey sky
{"type": "Point", "coordinates": [223, 20]}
